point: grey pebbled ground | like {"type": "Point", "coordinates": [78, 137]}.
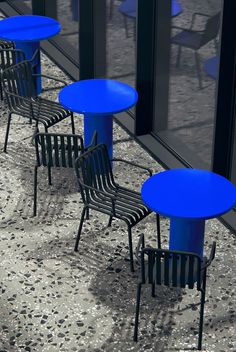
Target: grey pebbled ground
{"type": "Point", "coordinates": [53, 299]}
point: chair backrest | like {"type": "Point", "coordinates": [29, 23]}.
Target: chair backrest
{"type": "Point", "coordinates": [4, 44]}
{"type": "Point", "coordinates": [18, 80]}
{"type": "Point", "coordinates": [93, 169]}
{"type": "Point", "coordinates": [10, 57]}
{"type": "Point", "coordinates": [211, 28]}
{"type": "Point", "coordinates": [58, 150]}
{"type": "Point", "coordinates": [170, 268]}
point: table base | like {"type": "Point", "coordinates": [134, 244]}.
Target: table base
{"type": "Point", "coordinates": [103, 125]}
{"type": "Point", "coordinates": [29, 48]}
{"type": "Point", "coordinates": [187, 235]}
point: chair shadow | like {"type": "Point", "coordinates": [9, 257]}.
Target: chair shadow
{"type": "Point", "coordinates": [20, 160]}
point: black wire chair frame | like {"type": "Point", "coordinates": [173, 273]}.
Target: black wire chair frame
{"type": "Point", "coordinates": [56, 150]}
{"type": "Point", "coordinates": [174, 269]}
{"type": "Point", "coordinates": [6, 61]}
{"type": "Point", "coordinates": [102, 193]}
{"type": "Point", "coordinates": [19, 88]}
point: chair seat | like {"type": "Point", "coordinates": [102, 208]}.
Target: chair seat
{"type": "Point", "coordinates": [189, 39]}
{"type": "Point", "coordinates": [45, 111]}
{"type": "Point", "coordinates": [129, 206]}
{"type": "Point", "coordinates": [178, 280]}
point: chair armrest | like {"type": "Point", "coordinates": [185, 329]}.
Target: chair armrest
{"type": "Point", "coordinates": [36, 53]}
{"type": "Point", "coordinates": [187, 29]}
{"type": "Point", "coordinates": [36, 131]}
{"type": "Point", "coordinates": [93, 142]}
{"type": "Point", "coordinates": [211, 256]}
{"type": "Point", "coordinates": [112, 198]}
{"type": "Point", "coordinates": [194, 17]}
{"type": "Point", "coordinates": [29, 100]}
{"type": "Point", "coordinates": [133, 164]}
{"type": "Point", "coordinates": [49, 77]}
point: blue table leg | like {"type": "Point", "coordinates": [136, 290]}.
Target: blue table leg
{"type": "Point", "coordinates": [29, 48]}
{"type": "Point", "coordinates": [187, 235]}
{"type": "Point", "coordinates": [104, 126]}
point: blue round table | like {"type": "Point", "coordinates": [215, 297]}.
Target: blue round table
{"type": "Point", "coordinates": [211, 66]}
{"type": "Point", "coordinates": [27, 31]}
{"type": "Point", "coordinates": [98, 100]}
{"type": "Point", "coordinates": [188, 197]}
{"type": "Point", "coordinates": [128, 8]}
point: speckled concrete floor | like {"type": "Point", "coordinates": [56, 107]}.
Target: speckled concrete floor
{"type": "Point", "coordinates": [53, 299]}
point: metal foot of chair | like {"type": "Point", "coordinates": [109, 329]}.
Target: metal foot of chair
{"type": "Point", "coordinates": [35, 190]}
{"type": "Point", "coordinates": [130, 250]}
{"type": "Point", "coordinates": [80, 229]}
{"type": "Point", "coordinates": [137, 312]}
{"type": "Point", "coordinates": [7, 133]}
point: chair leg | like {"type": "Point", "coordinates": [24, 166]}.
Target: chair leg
{"type": "Point", "coordinates": [49, 176]}
{"type": "Point", "coordinates": [158, 231]}
{"type": "Point", "coordinates": [198, 67]}
{"type": "Point", "coordinates": [178, 56]}
{"type": "Point", "coordinates": [35, 189]}
{"type": "Point", "coordinates": [130, 250]}
{"type": "Point", "coordinates": [80, 229]}
{"type": "Point", "coordinates": [7, 132]}
{"type": "Point", "coordinates": [126, 26]}
{"type": "Point", "coordinates": [153, 289]}
{"type": "Point", "coordinates": [87, 214]}
{"type": "Point", "coordinates": [137, 312]}
{"type": "Point", "coordinates": [72, 123]}
{"type": "Point", "coordinates": [216, 46]}
{"type": "Point", "coordinates": [203, 292]}
{"type": "Point", "coordinates": [111, 9]}
{"type": "Point", "coordinates": [110, 221]}
{"type": "Point", "coordinates": [1, 92]}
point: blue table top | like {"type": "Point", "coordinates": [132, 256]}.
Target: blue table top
{"type": "Point", "coordinates": [128, 8]}
{"type": "Point", "coordinates": [98, 97]}
{"type": "Point", "coordinates": [189, 193]}
{"type": "Point", "coordinates": [28, 28]}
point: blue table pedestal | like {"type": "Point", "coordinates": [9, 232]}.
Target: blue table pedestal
{"type": "Point", "coordinates": [104, 126]}
{"type": "Point", "coordinates": [29, 48]}
{"type": "Point", "coordinates": [187, 235]}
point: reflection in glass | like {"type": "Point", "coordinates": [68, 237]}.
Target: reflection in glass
{"type": "Point", "coordinates": [68, 16]}
{"type": "Point", "coordinates": [193, 72]}
{"type": "Point", "coordinates": [121, 38]}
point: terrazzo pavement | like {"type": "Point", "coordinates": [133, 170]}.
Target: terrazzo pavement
{"type": "Point", "coordinates": [53, 299]}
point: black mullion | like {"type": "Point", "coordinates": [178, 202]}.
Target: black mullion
{"type": "Point", "coordinates": [226, 95]}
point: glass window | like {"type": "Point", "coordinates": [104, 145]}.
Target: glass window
{"type": "Point", "coordinates": [67, 13]}
{"type": "Point", "coordinates": [19, 3]}
{"type": "Point", "coordinates": [188, 71]}
{"type": "Point", "coordinates": [121, 40]}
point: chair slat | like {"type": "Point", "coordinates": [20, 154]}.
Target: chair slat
{"type": "Point", "coordinates": [69, 152]}
{"type": "Point", "coordinates": [174, 270]}
{"type": "Point", "coordinates": [56, 151]}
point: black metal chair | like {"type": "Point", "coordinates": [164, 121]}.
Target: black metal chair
{"type": "Point", "coordinates": [8, 58]}
{"type": "Point", "coordinates": [101, 192]}
{"type": "Point", "coordinates": [173, 269]}
{"type": "Point", "coordinates": [56, 150]}
{"type": "Point", "coordinates": [19, 88]}
{"type": "Point", "coordinates": [195, 39]}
